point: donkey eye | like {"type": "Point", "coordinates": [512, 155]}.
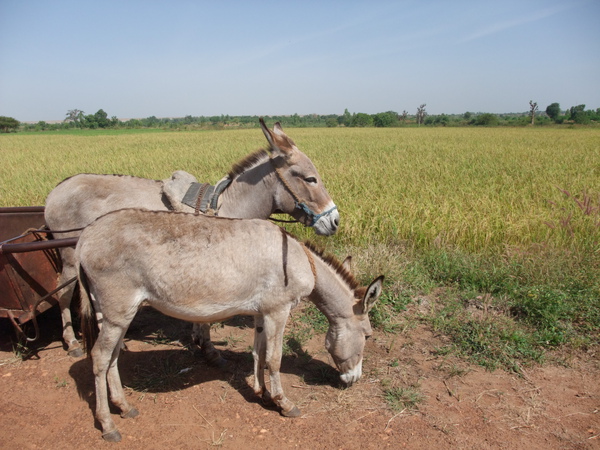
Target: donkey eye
{"type": "Point", "coordinates": [311, 180]}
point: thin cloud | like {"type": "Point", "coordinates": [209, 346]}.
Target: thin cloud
{"type": "Point", "coordinates": [502, 26]}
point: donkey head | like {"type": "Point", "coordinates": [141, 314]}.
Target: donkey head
{"type": "Point", "coordinates": [346, 339]}
{"type": "Point", "coordinates": [302, 189]}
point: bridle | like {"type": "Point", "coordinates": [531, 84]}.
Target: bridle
{"type": "Point", "coordinates": [299, 204]}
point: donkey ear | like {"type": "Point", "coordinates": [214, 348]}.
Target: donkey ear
{"type": "Point", "coordinates": [278, 130]}
{"type": "Point", "coordinates": [279, 142]}
{"type": "Point", "coordinates": [372, 294]}
{"type": "Point", "coordinates": [266, 131]}
{"type": "Point", "coordinates": [347, 264]}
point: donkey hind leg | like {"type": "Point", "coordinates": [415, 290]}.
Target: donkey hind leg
{"type": "Point", "coordinates": [201, 337]}
{"type": "Point", "coordinates": [259, 353]}
{"type": "Point", "coordinates": [64, 302]}
{"type": "Point", "coordinates": [274, 325]}
{"type": "Point", "coordinates": [100, 319]}
{"type": "Point", "coordinates": [105, 355]}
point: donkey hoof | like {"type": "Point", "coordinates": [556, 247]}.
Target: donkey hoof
{"type": "Point", "coordinates": [76, 353]}
{"type": "Point", "coordinates": [266, 398]}
{"type": "Point", "coordinates": [219, 362]}
{"type": "Point", "coordinates": [112, 436]}
{"type": "Point", "coordinates": [214, 359]}
{"type": "Point", "coordinates": [130, 414]}
{"type": "Point", "coordinates": [294, 412]}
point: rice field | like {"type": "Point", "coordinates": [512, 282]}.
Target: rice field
{"type": "Point", "coordinates": [478, 190]}
{"type": "Point", "coordinates": [507, 218]}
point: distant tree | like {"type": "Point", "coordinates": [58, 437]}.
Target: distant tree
{"type": "Point", "coordinates": [533, 107]}
{"type": "Point", "coordinates": [101, 118]}
{"type": "Point", "coordinates": [134, 123]}
{"type": "Point", "coordinates": [578, 115]}
{"type": "Point", "coordinates": [553, 111]}
{"type": "Point", "coordinates": [487, 119]}
{"type": "Point", "coordinates": [421, 113]}
{"type": "Point", "coordinates": [345, 119]}
{"type": "Point", "coordinates": [150, 122]}
{"type": "Point", "coordinates": [442, 120]}
{"type": "Point", "coordinates": [41, 126]}
{"type": "Point", "coordinates": [74, 116]}
{"type": "Point", "coordinates": [362, 120]}
{"type": "Point", "coordinates": [467, 116]}
{"type": "Point", "coordinates": [8, 124]}
{"type": "Point", "coordinates": [386, 119]}
{"type": "Point", "coordinates": [89, 121]}
{"type": "Point", "coordinates": [404, 116]}
{"type": "Point", "coordinates": [331, 122]}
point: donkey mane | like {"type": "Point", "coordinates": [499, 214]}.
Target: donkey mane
{"type": "Point", "coordinates": [335, 264]}
{"type": "Point", "coordinates": [247, 163]}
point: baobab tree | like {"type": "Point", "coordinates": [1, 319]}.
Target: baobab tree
{"type": "Point", "coordinates": [421, 113]}
{"type": "Point", "coordinates": [533, 107]}
{"type": "Point", "coordinates": [74, 115]}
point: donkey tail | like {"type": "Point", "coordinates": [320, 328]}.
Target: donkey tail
{"type": "Point", "coordinates": [89, 324]}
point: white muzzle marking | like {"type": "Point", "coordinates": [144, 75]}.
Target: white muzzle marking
{"type": "Point", "coordinates": [328, 223]}
{"type": "Point", "coordinates": [353, 375]}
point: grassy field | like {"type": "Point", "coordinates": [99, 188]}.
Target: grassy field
{"type": "Point", "coordinates": [496, 219]}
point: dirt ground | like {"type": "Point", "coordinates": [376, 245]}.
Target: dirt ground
{"type": "Point", "coordinates": [47, 399]}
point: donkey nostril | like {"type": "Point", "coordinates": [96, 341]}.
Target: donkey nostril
{"type": "Point", "coordinates": [336, 221]}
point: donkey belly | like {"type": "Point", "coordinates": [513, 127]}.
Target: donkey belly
{"type": "Point", "coordinates": [202, 313]}
{"type": "Point", "coordinates": [206, 310]}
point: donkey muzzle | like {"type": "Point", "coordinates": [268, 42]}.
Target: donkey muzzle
{"type": "Point", "coordinates": [350, 377]}
{"type": "Point", "coordinates": [327, 222]}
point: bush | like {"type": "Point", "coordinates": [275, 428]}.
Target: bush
{"type": "Point", "coordinates": [486, 119]}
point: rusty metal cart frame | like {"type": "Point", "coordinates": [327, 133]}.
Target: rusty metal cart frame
{"type": "Point", "coordinates": [29, 266]}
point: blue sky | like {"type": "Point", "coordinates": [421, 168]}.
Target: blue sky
{"type": "Point", "coordinates": [175, 58]}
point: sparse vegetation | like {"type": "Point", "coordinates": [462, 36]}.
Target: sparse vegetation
{"type": "Point", "coordinates": [401, 398]}
{"type": "Point", "coordinates": [60, 383]}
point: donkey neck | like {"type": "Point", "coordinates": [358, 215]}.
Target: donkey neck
{"type": "Point", "coordinates": [332, 294]}
{"type": "Point", "coordinates": [251, 194]}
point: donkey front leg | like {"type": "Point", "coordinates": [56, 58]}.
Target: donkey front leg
{"type": "Point", "coordinates": [259, 353]}
{"type": "Point", "coordinates": [274, 325]}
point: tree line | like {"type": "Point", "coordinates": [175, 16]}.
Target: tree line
{"type": "Point", "coordinates": [553, 114]}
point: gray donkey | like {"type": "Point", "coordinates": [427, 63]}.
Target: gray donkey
{"type": "Point", "coordinates": [282, 179]}
{"type": "Point", "coordinates": [204, 269]}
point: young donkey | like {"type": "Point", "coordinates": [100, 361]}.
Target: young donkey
{"type": "Point", "coordinates": [282, 179]}
{"type": "Point", "coordinates": [204, 269]}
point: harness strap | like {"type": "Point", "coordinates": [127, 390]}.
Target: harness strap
{"type": "Point", "coordinates": [219, 188]}
{"type": "Point", "coordinates": [202, 191]}
{"type": "Point", "coordinates": [311, 261]}
{"type": "Point", "coordinates": [285, 183]}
